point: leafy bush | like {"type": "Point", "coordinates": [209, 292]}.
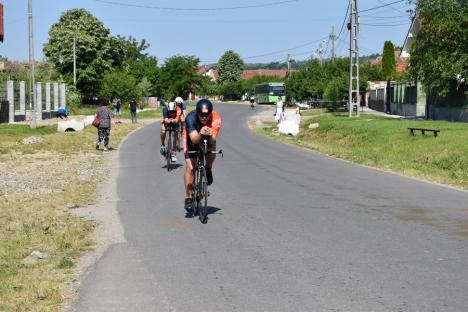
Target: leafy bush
{"type": "Point", "coordinates": [74, 99]}
{"type": "Point", "coordinates": [333, 93]}
{"type": "Point", "coordinates": [119, 83]}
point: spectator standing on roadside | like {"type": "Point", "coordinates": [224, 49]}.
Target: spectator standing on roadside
{"type": "Point", "coordinates": [117, 104]}
{"type": "Point", "coordinates": [105, 121]}
{"type": "Point", "coordinates": [279, 116]}
{"type": "Point", "coordinates": [133, 110]}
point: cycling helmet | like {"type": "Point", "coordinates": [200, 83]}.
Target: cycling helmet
{"type": "Point", "coordinates": [171, 106]}
{"type": "Point", "coordinates": [204, 107]}
{"type": "Point", "coordinates": [179, 100]}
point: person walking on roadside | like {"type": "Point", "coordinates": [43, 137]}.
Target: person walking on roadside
{"type": "Point", "coordinates": [105, 121]}
{"type": "Point", "coordinates": [117, 104]}
{"type": "Point", "coordinates": [133, 110]}
{"type": "Point", "coordinates": [279, 116]}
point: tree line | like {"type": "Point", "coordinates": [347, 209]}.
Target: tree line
{"type": "Point", "coordinates": [108, 65]}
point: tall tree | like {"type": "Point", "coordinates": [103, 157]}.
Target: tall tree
{"type": "Point", "coordinates": [230, 67]}
{"type": "Point", "coordinates": [179, 76]}
{"type": "Point", "coordinates": [119, 83]}
{"type": "Point", "coordinates": [439, 52]}
{"type": "Point", "coordinates": [139, 64]}
{"type": "Point", "coordinates": [96, 51]}
{"type": "Point", "coordinates": [388, 60]}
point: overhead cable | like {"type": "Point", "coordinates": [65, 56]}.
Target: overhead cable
{"type": "Point", "coordinates": [381, 6]}
{"type": "Point", "coordinates": [344, 22]}
{"type": "Point", "coordinates": [285, 50]}
{"type": "Point", "coordinates": [116, 3]}
{"type": "Point", "coordinates": [390, 7]}
{"type": "Point", "coordinates": [384, 25]}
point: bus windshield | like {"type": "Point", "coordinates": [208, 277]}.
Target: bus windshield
{"type": "Point", "coordinates": [277, 90]}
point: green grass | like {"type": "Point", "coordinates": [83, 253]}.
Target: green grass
{"type": "Point", "coordinates": [91, 110]}
{"type": "Point", "coordinates": [313, 112]}
{"type": "Point", "coordinates": [42, 221]}
{"type": "Point", "coordinates": [386, 143]}
{"type": "Point", "coordinates": [11, 135]}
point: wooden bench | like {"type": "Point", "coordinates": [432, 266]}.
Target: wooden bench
{"type": "Point", "coordinates": [424, 130]}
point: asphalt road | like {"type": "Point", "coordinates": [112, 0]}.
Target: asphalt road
{"type": "Point", "coordinates": [289, 230]}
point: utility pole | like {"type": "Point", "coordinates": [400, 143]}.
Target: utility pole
{"type": "Point", "coordinates": [31, 66]}
{"type": "Point", "coordinates": [333, 39]}
{"type": "Point", "coordinates": [320, 52]}
{"type": "Point", "coordinates": [353, 26]}
{"type": "Point", "coordinates": [74, 61]}
{"type": "Point", "coordinates": [289, 65]}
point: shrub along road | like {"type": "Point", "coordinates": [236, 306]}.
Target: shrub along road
{"type": "Point", "coordinates": [290, 230]}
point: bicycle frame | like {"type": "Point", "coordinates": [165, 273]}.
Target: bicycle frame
{"type": "Point", "coordinates": [199, 186]}
{"type": "Point", "coordinates": [170, 129]}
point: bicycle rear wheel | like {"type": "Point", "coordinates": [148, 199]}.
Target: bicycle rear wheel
{"type": "Point", "coordinates": [168, 150]}
{"type": "Point", "coordinates": [203, 195]}
{"type": "Point", "coordinates": [195, 194]}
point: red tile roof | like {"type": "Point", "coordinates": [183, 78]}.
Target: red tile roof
{"type": "Point", "coordinates": [281, 73]}
{"type": "Point", "coordinates": [201, 70]}
{"type": "Point", "coordinates": [400, 63]}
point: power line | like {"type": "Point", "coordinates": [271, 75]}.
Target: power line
{"type": "Point", "coordinates": [195, 9]}
{"type": "Point", "coordinates": [367, 50]}
{"type": "Point", "coordinates": [387, 17]}
{"type": "Point", "coordinates": [384, 25]}
{"type": "Point", "coordinates": [391, 7]}
{"type": "Point", "coordinates": [285, 50]}
{"type": "Point", "coordinates": [344, 22]}
{"type": "Point", "coordinates": [381, 6]}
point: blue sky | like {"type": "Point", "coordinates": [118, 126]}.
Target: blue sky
{"type": "Point", "coordinates": [297, 25]}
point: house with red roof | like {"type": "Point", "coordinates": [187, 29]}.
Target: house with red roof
{"type": "Point", "coordinates": [250, 73]}
{"type": "Point", "coordinates": [400, 97]}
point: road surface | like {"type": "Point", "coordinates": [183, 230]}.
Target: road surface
{"type": "Point", "coordinates": [289, 230]}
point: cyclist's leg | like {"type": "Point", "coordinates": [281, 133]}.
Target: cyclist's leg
{"type": "Point", "coordinates": [163, 134]}
{"type": "Point", "coordinates": [210, 158]}
{"type": "Point", "coordinates": [175, 142]}
{"type": "Point", "coordinates": [190, 166]}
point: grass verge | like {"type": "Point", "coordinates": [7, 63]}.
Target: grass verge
{"type": "Point", "coordinates": [91, 110]}
{"type": "Point", "coordinates": [386, 143]}
{"type": "Point", "coordinates": [39, 184]}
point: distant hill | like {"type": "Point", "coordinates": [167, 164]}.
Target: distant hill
{"type": "Point", "coordinates": [296, 64]}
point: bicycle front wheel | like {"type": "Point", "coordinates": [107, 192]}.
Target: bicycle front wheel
{"type": "Point", "coordinates": [203, 195]}
{"type": "Point", "coordinates": [196, 193]}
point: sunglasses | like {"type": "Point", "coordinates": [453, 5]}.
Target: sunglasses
{"type": "Point", "coordinates": [204, 115]}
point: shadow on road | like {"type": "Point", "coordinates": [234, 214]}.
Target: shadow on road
{"type": "Point", "coordinates": [173, 166]}
{"type": "Point", "coordinates": [211, 210]}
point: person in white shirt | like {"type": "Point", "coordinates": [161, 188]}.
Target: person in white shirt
{"type": "Point", "coordinates": [279, 116]}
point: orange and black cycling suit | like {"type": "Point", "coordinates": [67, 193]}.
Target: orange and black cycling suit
{"type": "Point", "coordinates": [175, 114]}
{"type": "Point", "coordinates": [193, 123]}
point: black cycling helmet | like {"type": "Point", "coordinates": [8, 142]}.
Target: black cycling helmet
{"type": "Point", "coordinates": [204, 106]}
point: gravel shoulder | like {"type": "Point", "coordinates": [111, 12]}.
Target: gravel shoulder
{"type": "Point", "coordinates": [109, 230]}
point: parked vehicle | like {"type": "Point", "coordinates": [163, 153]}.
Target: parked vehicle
{"type": "Point", "coordinates": [268, 93]}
